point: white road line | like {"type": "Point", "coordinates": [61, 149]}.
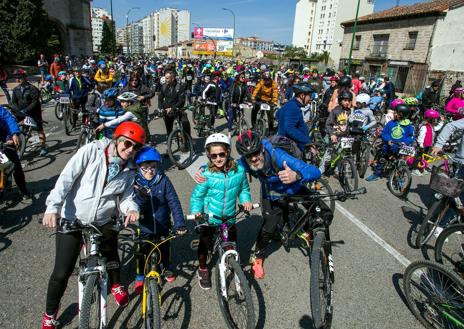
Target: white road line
{"type": "Point", "coordinates": [381, 242]}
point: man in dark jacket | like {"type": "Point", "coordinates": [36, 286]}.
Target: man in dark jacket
{"type": "Point", "coordinates": [431, 96]}
{"type": "Point", "coordinates": [389, 90]}
{"type": "Point", "coordinates": [26, 102]}
{"type": "Point", "coordinates": [239, 94]}
{"type": "Point", "coordinates": [172, 99]}
{"type": "Point", "coordinates": [79, 88]}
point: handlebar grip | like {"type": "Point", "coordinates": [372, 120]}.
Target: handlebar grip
{"type": "Point", "coordinates": [361, 190]}
{"type": "Point", "coordinates": [190, 217]}
{"type": "Point", "coordinates": [256, 205]}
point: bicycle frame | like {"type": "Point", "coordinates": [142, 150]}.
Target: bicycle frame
{"type": "Point", "coordinates": [226, 249]}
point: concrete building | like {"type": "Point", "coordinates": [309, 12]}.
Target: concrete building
{"type": "Point", "coordinates": [72, 20]}
{"type": "Point", "coordinates": [411, 44]}
{"type": "Point", "coordinates": [183, 25]}
{"type": "Point", "coordinates": [255, 43]}
{"type": "Point", "coordinates": [98, 18]}
{"type": "Point", "coordinates": [321, 31]}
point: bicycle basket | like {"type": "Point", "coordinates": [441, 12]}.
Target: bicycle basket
{"type": "Point", "coordinates": [441, 183]}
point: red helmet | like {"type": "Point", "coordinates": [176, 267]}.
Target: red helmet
{"type": "Point", "coordinates": [131, 130]}
{"type": "Point", "coordinates": [334, 78]}
{"type": "Point", "coordinates": [19, 73]}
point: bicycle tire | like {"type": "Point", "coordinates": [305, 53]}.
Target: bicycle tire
{"type": "Point", "coordinates": [195, 110]}
{"type": "Point", "coordinates": [234, 268]}
{"type": "Point", "coordinates": [392, 184]}
{"type": "Point", "coordinates": [242, 126]}
{"type": "Point", "coordinates": [153, 315]}
{"type": "Point", "coordinates": [67, 120]}
{"type": "Point", "coordinates": [343, 177]}
{"type": "Point", "coordinates": [178, 134]}
{"type": "Point", "coordinates": [82, 140]}
{"type": "Point", "coordinates": [450, 259]}
{"type": "Point", "coordinates": [320, 264]}
{"type": "Point", "coordinates": [59, 111]}
{"type": "Point", "coordinates": [430, 223]}
{"type": "Point", "coordinates": [22, 148]}
{"type": "Point", "coordinates": [89, 300]}
{"type": "Point", "coordinates": [44, 96]}
{"type": "Point", "coordinates": [261, 127]}
{"type": "Point", "coordinates": [363, 162]}
{"type": "Point", "coordinates": [447, 277]}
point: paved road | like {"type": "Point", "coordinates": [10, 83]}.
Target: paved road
{"type": "Point", "coordinates": [368, 267]}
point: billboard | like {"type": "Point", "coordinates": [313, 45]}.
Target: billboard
{"type": "Point", "coordinates": [210, 47]}
{"type": "Point", "coordinates": [213, 33]}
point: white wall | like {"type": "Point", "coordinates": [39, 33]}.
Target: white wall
{"type": "Point", "coordinates": [183, 25]}
{"type": "Point", "coordinates": [301, 22]}
{"type": "Point", "coordinates": [447, 52]}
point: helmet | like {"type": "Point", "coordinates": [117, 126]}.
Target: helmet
{"type": "Point", "coordinates": [403, 109]}
{"type": "Point", "coordinates": [77, 69]}
{"type": "Point", "coordinates": [147, 154]}
{"type": "Point", "coordinates": [103, 66]}
{"type": "Point", "coordinates": [110, 93]}
{"type": "Point", "coordinates": [48, 77]}
{"type": "Point", "coordinates": [19, 73]}
{"type": "Point", "coordinates": [411, 101]}
{"type": "Point", "coordinates": [131, 130]}
{"type": "Point", "coordinates": [334, 78]}
{"type": "Point", "coordinates": [128, 96]}
{"type": "Point", "coordinates": [458, 91]}
{"type": "Point", "coordinates": [61, 73]}
{"type": "Point", "coordinates": [266, 75]}
{"type": "Point", "coordinates": [363, 98]}
{"type": "Point", "coordinates": [217, 138]}
{"type": "Point", "coordinates": [345, 81]}
{"type": "Point", "coordinates": [208, 66]}
{"type": "Point", "coordinates": [248, 143]}
{"type": "Point", "coordinates": [362, 79]}
{"type": "Point", "coordinates": [431, 114]}
{"type": "Point", "coordinates": [306, 69]}
{"type": "Point", "coordinates": [435, 83]}
{"type": "Point", "coordinates": [263, 67]}
{"type": "Point", "coordinates": [303, 88]}
{"type": "Point", "coordinates": [396, 102]}
{"type": "Point", "coordinates": [346, 94]}
{"type": "Point", "coordinates": [92, 61]}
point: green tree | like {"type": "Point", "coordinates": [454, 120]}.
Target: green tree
{"type": "Point", "coordinates": [294, 52]}
{"type": "Point", "coordinates": [108, 43]}
{"type": "Point", "coordinates": [24, 31]}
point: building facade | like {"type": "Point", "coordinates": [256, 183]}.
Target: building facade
{"type": "Point", "coordinates": [305, 12]}
{"type": "Point", "coordinates": [255, 43]}
{"type": "Point", "coordinates": [98, 18]}
{"type": "Point", "coordinates": [183, 25]}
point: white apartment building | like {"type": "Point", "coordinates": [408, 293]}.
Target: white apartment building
{"type": "Point", "coordinates": [183, 25]}
{"type": "Point", "coordinates": [322, 31]}
{"type": "Point", "coordinates": [98, 17]}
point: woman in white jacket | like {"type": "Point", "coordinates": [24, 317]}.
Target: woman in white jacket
{"type": "Point", "coordinates": [98, 177]}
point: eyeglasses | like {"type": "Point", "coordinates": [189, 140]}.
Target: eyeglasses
{"type": "Point", "coordinates": [149, 168]}
{"type": "Point", "coordinates": [221, 155]}
{"type": "Point", "coordinates": [253, 155]}
{"type": "Point", "coordinates": [128, 144]}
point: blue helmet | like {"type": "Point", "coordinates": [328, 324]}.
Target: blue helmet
{"type": "Point", "coordinates": [110, 93]}
{"type": "Point", "coordinates": [48, 77]}
{"type": "Point", "coordinates": [147, 154]}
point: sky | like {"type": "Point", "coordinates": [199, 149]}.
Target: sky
{"type": "Point", "coordinates": [268, 19]}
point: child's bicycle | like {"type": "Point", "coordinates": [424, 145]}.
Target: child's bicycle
{"type": "Point", "coordinates": [232, 287]}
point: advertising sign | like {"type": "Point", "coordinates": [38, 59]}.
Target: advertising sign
{"type": "Point", "coordinates": [213, 33]}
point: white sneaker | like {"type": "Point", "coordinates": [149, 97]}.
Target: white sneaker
{"type": "Point", "coordinates": [416, 172]}
{"type": "Point", "coordinates": [437, 232]}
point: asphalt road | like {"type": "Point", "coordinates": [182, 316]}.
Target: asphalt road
{"type": "Point", "coordinates": [368, 267]}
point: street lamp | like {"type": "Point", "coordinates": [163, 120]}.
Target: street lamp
{"type": "Point", "coordinates": [127, 29]}
{"type": "Point", "coordinates": [113, 26]}
{"type": "Point", "coordinates": [352, 38]}
{"type": "Point", "coordinates": [233, 36]}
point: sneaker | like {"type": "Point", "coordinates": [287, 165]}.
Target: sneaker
{"type": "Point", "coordinates": [120, 294]}
{"type": "Point", "coordinates": [257, 269]}
{"type": "Point", "coordinates": [416, 172]}
{"type": "Point", "coordinates": [43, 151]}
{"type": "Point", "coordinates": [204, 279]}
{"type": "Point", "coordinates": [138, 285]}
{"type": "Point", "coordinates": [372, 178]}
{"type": "Point", "coordinates": [437, 232]}
{"type": "Point", "coordinates": [27, 196]}
{"type": "Point", "coordinates": [49, 321]}
{"type": "Point", "coordinates": [170, 276]}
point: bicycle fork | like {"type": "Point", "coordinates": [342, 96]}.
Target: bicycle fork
{"type": "Point", "coordinates": [223, 268]}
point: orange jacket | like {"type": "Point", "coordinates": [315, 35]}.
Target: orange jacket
{"type": "Point", "coordinates": [55, 68]}
{"type": "Point", "coordinates": [265, 93]}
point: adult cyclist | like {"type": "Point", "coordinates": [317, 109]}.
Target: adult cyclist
{"type": "Point", "coordinates": [266, 91]}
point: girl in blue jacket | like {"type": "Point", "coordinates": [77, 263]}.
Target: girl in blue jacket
{"type": "Point", "coordinates": [226, 181]}
{"type": "Point", "coordinates": [157, 199]}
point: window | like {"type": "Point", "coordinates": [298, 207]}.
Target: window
{"type": "Point", "coordinates": [380, 48]}
{"type": "Point", "coordinates": [412, 40]}
{"type": "Point", "coordinates": [357, 42]}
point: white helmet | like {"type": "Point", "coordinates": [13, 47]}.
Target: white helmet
{"type": "Point", "coordinates": [217, 138]}
{"type": "Point", "coordinates": [363, 98]}
{"type": "Point", "coordinates": [128, 96]}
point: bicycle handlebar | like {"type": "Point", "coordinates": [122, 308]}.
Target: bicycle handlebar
{"type": "Point", "coordinates": [340, 196]}
{"type": "Point", "coordinates": [205, 217]}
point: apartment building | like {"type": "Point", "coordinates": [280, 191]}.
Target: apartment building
{"type": "Point", "coordinates": [98, 18]}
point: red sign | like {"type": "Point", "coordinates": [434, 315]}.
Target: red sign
{"type": "Point", "coordinates": [198, 33]}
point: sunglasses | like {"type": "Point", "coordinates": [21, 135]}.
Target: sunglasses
{"type": "Point", "coordinates": [128, 144]}
{"type": "Point", "coordinates": [253, 155]}
{"type": "Point", "coordinates": [221, 155]}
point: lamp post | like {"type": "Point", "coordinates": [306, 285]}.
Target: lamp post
{"type": "Point", "coordinates": [352, 38]}
{"type": "Point", "coordinates": [113, 26]}
{"type": "Point", "coordinates": [127, 29]}
{"type": "Point", "coordinates": [233, 36]}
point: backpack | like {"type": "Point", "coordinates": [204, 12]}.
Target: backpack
{"type": "Point", "coordinates": [285, 144]}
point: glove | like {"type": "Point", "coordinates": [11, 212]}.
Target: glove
{"type": "Point", "coordinates": [364, 128]}
{"type": "Point", "coordinates": [181, 230]}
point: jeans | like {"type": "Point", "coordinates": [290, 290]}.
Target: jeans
{"type": "Point", "coordinates": [232, 112]}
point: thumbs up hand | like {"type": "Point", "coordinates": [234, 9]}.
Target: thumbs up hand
{"type": "Point", "coordinates": [287, 176]}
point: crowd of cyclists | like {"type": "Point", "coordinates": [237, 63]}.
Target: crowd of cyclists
{"type": "Point", "coordinates": [122, 170]}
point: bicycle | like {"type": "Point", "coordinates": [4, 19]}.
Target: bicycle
{"type": "Point", "coordinates": [67, 113]}
{"type": "Point", "coordinates": [397, 171]}
{"type": "Point", "coordinates": [180, 144]}
{"type": "Point", "coordinates": [45, 95]}
{"type": "Point", "coordinates": [240, 122]}
{"type": "Point", "coordinates": [6, 170]}
{"type": "Point", "coordinates": [93, 275]}
{"type": "Point", "coordinates": [321, 259]}
{"type": "Point", "coordinates": [434, 294]}
{"type": "Point", "coordinates": [62, 100]}
{"type": "Point", "coordinates": [87, 133]}
{"type": "Point", "coordinates": [231, 283]}
{"type": "Point", "coordinates": [201, 120]}
{"type": "Point", "coordinates": [362, 154]}
{"type": "Point", "coordinates": [449, 247]}
{"type": "Point", "coordinates": [261, 122]}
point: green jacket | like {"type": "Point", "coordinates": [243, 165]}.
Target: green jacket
{"type": "Point", "coordinates": [137, 110]}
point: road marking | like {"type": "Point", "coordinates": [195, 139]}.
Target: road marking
{"type": "Point", "coordinates": [193, 168]}
{"type": "Point", "coordinates": [381, 242]}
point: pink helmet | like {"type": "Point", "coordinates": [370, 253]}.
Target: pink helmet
{"type": "Point", "coordinates": [422, 164]}
{"type": "Point", "coordinates": [431, 114]}
{"type": "Point", "coordinates": [458, 91]}
{"type": "Point", "coordinates": [396, 102]}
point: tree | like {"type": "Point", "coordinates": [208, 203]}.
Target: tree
{"type": "Point", "coordinates": [108, 43]}
{"type": "Point", "coordinates": [294, 52]}
{"type": "Point", "coordinates": [24, 31]}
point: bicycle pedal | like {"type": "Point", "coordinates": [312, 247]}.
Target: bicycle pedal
{"type": "Point", "coordinates": [332, 243]}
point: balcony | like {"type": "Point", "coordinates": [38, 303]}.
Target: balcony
{"type": "Point", "coordinates": [378, 53]}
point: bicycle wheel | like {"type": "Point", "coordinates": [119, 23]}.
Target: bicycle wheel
{"type": "Point", "coordinates": [348, 175]}
{"type": "Point", "coordinates": [22, 148]}
{"type": "Point", "coordinates": [82, 140]}
{"type": "Point", "coordinates": [434, 294]}
{"type": "Point", "coordinates": [321, 281]}
{"type": "Point", "coordinates": [363, 161]}
{"type": "Point", "coordinates": [434, 216]}
{"type": "Point", "coordinates": [237, 308]}
{"type": "Point", "coordinates": [242, 126]}
{"type": "Point", "coordinates": [67, 119]}
{"type": "Point", "coordinates": [180, 148]}
{"type": "Point", "coordinates": [90, 309]}
{"type": "Point", "coordinates": [153, 315]}
{"type": "Point", "coordinates": [449, 247]}
{"type": "Point", "coordinates": [399, 181]}
{"type": "Point", "coordinates": [59, 111]}
{"type": "Point", "coordinates": [44, 98]}
{"type": "Point", "coordinates": [322, 186]}
{"type": "Point", "coordinates": [261, 127]}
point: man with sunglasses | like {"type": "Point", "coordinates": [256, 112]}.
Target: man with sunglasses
{"type": "Point", "coordinates": [93, 185]}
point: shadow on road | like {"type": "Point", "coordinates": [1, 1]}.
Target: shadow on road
{"type": "Point", "coordinates": [397, 280]}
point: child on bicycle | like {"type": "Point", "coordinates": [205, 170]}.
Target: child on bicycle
{"type": "Point", "coordinates": [226, 181]}
{"type": "Point", "coordinates": [157, 199]}
{"type": "Point", "coordinates": [109, 111]}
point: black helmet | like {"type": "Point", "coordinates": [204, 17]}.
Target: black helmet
{"type": "Point", "coordinates": [345, 94]}
{"type": "Point", "coordinates": [404, 110]}
{"type": "Point", "coordinates": [303, 88]}
{"type": "Point", "coordinates": [435, 83]}
{"type": "Point", "coordinates": [345, 81]}
{"type": "Point", "coordinates": [248, 142]}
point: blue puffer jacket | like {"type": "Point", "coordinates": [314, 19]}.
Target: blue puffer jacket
{"type": "Point", "coordinates": [271, 186]}
{"type": "Point", "coordinates": [8, 125]}
{"type": "Point", "coordinates": [292, 125]}
{"type": "Point", "coordinates": [398, 132]}
{"type": "Point", "coordinates": [218, 195]}
{"type": "Point", "coordinates": [157, 199]}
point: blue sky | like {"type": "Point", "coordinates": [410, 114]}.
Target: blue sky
{"type": "Point", "coordinates": [268, 19]}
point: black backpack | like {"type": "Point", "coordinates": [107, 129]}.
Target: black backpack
{"type": "Point", "coordinates": [285, 144]}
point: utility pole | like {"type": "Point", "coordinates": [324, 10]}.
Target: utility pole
{"type": "Point", "coordinates": [352, 38]}
{"type": "Point", "coordinates": [113, 26]}
{"type": "Point", "coordinates": [127, 29]}
{"type": "Point", "coordinates": [233, 36]}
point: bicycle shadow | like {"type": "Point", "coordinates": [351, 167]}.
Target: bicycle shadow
{"type": "Point", "coordinates": [397, 278]}
{"type": "Point", "coordinates": [306, 322]}
{"type": "Point", "coordinates": [68, 315]}
{"type": "Point", "coordinates": [414, 217]}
